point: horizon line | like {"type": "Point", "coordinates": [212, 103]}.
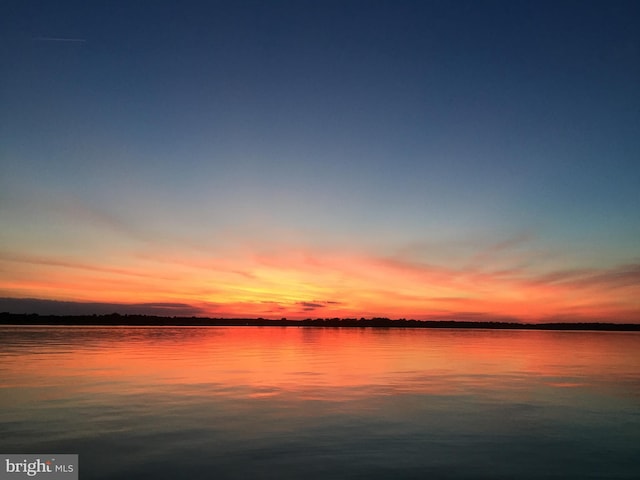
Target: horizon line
{"type": "Point", "coordinates": [116, 319]}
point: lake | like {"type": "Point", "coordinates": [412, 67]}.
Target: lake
{"type": "Point", "coordinates": [323, 403]}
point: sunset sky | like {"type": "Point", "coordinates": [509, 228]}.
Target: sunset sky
{"type": "Point", "coordinates": [418, 159]}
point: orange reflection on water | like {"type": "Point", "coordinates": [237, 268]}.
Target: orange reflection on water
{"type": "Point", "coordinates": [263, 362]}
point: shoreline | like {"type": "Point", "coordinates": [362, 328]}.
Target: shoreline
{"type": "Point", "coordinates": [29, 320]}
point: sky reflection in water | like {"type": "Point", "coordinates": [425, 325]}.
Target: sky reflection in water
{"type": "Point", "coordinates": [324, 403]}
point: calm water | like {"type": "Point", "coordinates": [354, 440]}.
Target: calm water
{"type": "Point", "coordinates": [284, 403]}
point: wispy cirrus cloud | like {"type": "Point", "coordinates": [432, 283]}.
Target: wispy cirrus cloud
{"type": "Point", "coordinates": [620, 276]}
{"type": "Point", "coordinates": [60, 39]}
{"type": "Point", "coordinates": [50, 261]}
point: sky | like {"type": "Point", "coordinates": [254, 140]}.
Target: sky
{"type": "Point", "coordinates": [470, 160]}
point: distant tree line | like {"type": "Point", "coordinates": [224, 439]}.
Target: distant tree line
{"type": "Point", "coordinates": [116, 319]}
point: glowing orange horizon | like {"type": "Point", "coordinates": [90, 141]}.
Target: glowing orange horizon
{"type": "Point", "coordinates": [304, 284]}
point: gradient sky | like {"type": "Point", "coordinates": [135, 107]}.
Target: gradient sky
{"type": "Point", "coordinates": [419, 159]}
